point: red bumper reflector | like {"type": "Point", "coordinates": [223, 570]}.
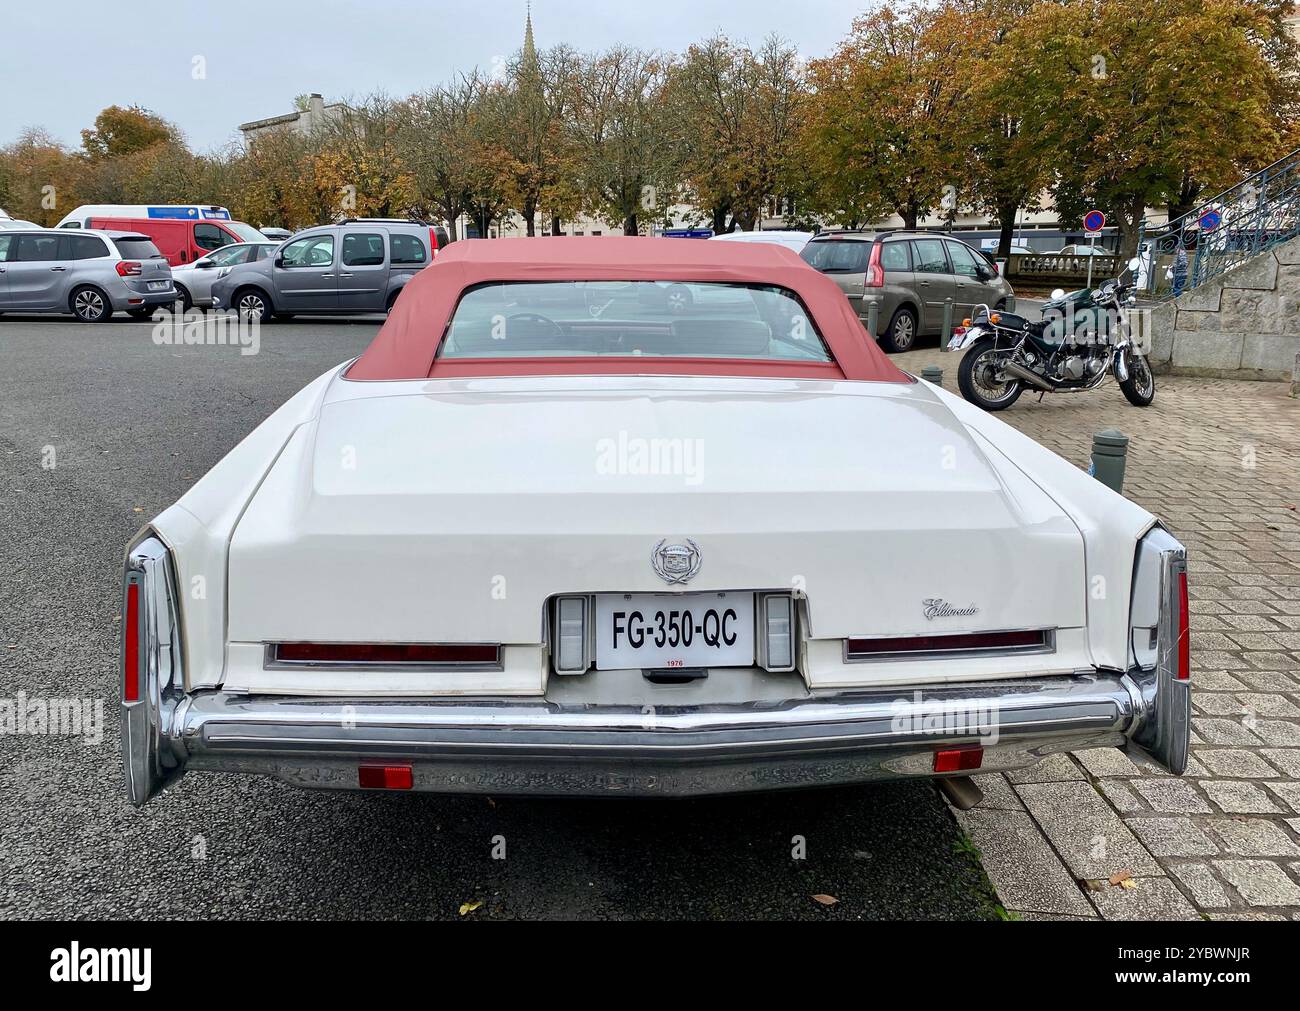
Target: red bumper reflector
{"type": "Point", "coordinates": [131, 649]}
{"type": "Point", "coordinates": [385, 653]}
{"type": "Point", "coordinates": [385, 777]}
{"type": "Point", "coordinates": [961, 759]}
{"type": "Point", "coordinates": [948, 643]}
{"type": "Point", "coordinates": [1184, 632]}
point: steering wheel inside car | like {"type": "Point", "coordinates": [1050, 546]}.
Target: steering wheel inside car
{"type": "Point", "coordinates": [535, 317]}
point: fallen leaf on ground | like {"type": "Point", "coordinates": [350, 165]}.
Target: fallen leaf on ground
{"type": "Point", "coordinates": [826, 900]}
{"type": "Point", "coordinates": [469, 907]}
{"type": "Point", "coordinates": [1119, 877]}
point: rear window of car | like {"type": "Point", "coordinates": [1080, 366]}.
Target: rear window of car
{"type": "Point", "coordinates": [137, 249]}
{"type": "Point", "coordinates": [406, 249]}
{"type": "Point", "coordinates": [560, 319]}
{"type": "Point", "coordinates": [85, 247]}
{"type": "Point", "coordinates": [837, 256]}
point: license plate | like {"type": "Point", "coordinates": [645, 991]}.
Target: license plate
{"type": "Point", "coordinates": [668, 630]}
{"type": "Point", "coordinates": [959, 339]}
{"type": "Point", "coordinates": [159, 285]}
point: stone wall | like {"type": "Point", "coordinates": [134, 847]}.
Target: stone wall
{"type": "Point", "coordinates": [1242, 325]}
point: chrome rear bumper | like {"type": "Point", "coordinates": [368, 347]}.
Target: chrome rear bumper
{"type": "Point", "coordinates": [513, 746]}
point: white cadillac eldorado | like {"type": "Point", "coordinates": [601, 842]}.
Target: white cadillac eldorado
{"type": "Point", "coordinates": [641, 516]}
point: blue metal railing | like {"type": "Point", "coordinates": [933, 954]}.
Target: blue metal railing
{"type": "Point", "coordinates": [1225, 231]}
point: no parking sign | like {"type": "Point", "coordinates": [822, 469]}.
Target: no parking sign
{"type": "Point", "coordinates": [1094, 221]}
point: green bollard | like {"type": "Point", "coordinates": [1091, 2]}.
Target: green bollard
{"type": "Point", "coordinates": [1109, 455]}
{"type": "Point", "coordinates": [873, 317]}
{"type": "Point", "coordinates": [947, 326]}
{"type": "Point", "coordinates": [932, 374]}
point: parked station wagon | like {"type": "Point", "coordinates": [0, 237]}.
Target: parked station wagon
{"type": "Point", "coordinates": [355, 267]}
{"type": "Point", "coordinates": [548, 536]}
{"type": "Point", "coordinates": [89, 274]}
{"type": "Point", "coordinates": [911, 277]}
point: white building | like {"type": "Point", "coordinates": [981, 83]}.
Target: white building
{"type": "Point", "coordinates": [316, 115]}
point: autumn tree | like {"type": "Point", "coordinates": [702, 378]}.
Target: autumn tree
{"type": "Point", "coordinates": [358, 164]}
{"type": "Point", "coordinates": [42, 178]}
{"type": "Point", "coordinates": [733, 116]}
{"type": "Point", "coordinates": [625, 167]}
{"type": "Point", "coordinates": [122, 131]}
{"type": "Point", "coordinates": [437, 141]}
{"type": "Point", "coordinates": [1011, 159]}
{"type": "Point", "coordinates": [1150, 98]}
{"type": "Point", "coordinates": [888, 127]}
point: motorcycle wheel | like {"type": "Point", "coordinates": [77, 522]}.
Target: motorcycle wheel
{"type": "Point", "coordinates": [976, 377]}
{"type": "Point", "coordinates": [1140, 386]}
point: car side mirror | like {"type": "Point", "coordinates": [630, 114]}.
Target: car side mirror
{"type": "Point", "coordinates": [204, 264]}
{"type": "Point", "coordinates": [983, 273]}
{"type": "Point", "coordinates": [279, 261]}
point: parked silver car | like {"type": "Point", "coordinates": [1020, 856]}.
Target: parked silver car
{"type": "Point", "coordinates": [91, 274]}
{"type": "Point", "coordinates": [912, 277]}
{"type": "Point", "coordinates": [357, 266]}
{"type": "Point", "coordinates": [194, 280]}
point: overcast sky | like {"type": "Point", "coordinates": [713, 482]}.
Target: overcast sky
{"type": "Point", "coordinates": [61, 61]}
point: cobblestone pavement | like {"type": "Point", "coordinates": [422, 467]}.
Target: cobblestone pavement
{"type": "Point", "coordinates": [1219, 462]}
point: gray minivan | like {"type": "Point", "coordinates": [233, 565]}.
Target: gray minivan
{"type": "Point", "coordinates": [911, 276]}
{"type": "Point", "coordinates": [354, 267]}
{"type": "Point", "coordinates": [90, 274]}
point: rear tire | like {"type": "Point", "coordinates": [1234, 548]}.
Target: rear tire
{"type": "Point", "coordinates": [185, 298]}
{"type": "Point", "coordinates": [977, 383]}
{"type": "Point", "coordinates": [90, 305]}
{"type": "Point", "coordinates": [252, 304]}
{"type": "Point", "coordinates": [1140, 386]}
{"type": "Point", "coordinates": [901, 334]}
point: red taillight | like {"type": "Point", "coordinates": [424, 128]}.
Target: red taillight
{"type": "Point", "coordinates": [963, 759]}
{"type": "Point", "coordinates": [433, 239]}
{"type": "Point", "coordinates": [1184, 631]}
{"type": "Point", "coordinates": [875, 272]}
{"type": "Point", "coordinates": [959, 643]}
{"type": "Point", "coordinates": [387, 653]}
{"type": "Point", "coordinates": [129, 268]}
{"type": "Point", "coordinates": [131, 647]}
{"type": "Point", "coordinates": [385, 777]}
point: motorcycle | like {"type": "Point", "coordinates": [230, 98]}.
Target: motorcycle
{"type": "Point", "coordinates": [1084, 337]}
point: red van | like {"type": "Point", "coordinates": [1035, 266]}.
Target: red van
{"type": "Point", "coordinates": [182, 234]}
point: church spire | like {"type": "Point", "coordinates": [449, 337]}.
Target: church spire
{"type": "Point", "coordinates": [530, 47]}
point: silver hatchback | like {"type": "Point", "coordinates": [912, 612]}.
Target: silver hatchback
{"type": "Point", "coordinates": [90, 274]}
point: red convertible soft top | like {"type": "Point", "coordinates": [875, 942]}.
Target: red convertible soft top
{"type": "Point", "coordinates": [406, 345]}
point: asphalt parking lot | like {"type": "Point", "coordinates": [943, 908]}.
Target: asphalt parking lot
{"type": "Point", "coordinates": [101, 428]}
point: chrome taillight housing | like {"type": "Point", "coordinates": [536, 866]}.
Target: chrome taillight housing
{"type": "Point", "coordinates": [153, 680]}
{"type": "Point", "coordinates": [1159, 649]}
